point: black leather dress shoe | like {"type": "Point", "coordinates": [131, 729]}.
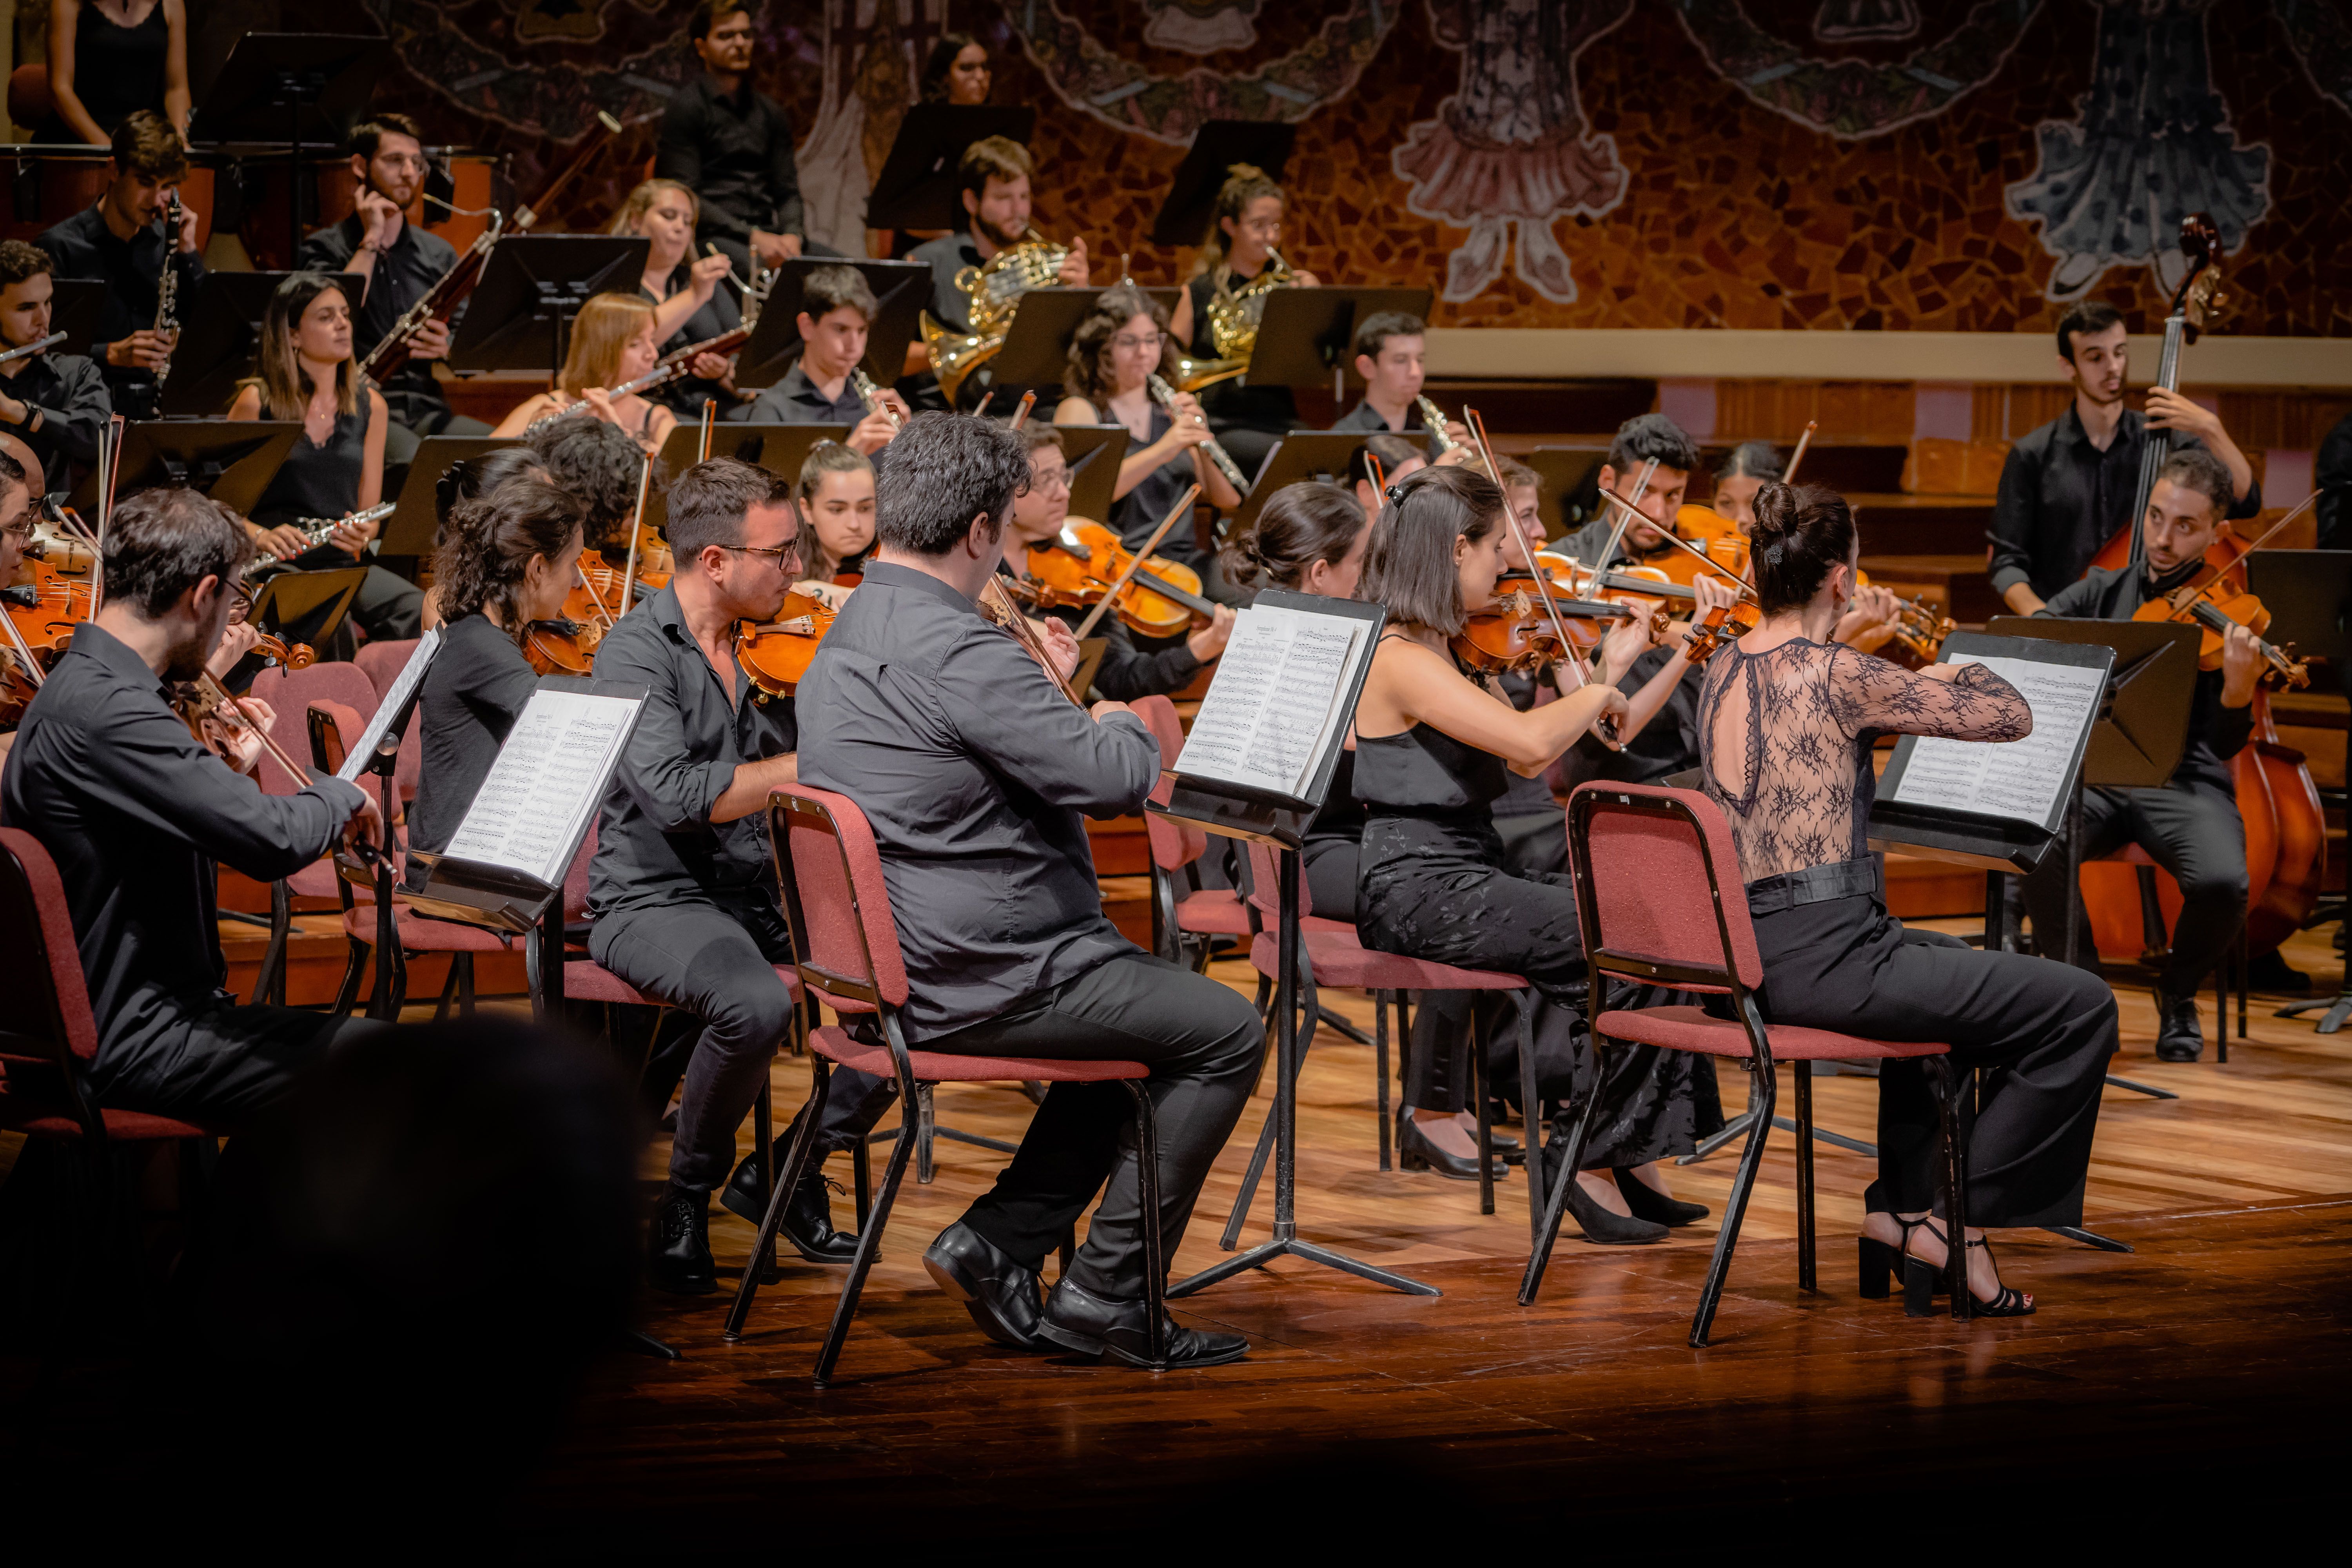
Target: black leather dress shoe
{"type": "Point", "coordinates": [1002, 1296]}
{"type": "Point", "coordinates": [1091, 1326]}
{"type": "Point", "coordinates": [808, 1218]}
{"type": "Point", "coordinates": [1648, 1203]}
{"type": "Point", "coordinates": [2179, 1034]}
{"type": "Point", "coordinates": [1416, 1152]}
{"type": "Point", "coordinates": [678, 1249]}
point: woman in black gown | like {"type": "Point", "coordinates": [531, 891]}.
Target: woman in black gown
{"type": "Point", "coordinates": [1433, 751]}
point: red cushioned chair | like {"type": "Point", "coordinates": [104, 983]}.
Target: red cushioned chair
{"type": "Point", "coordinates": [1652, 868]}
{"type": "Point", "coordinates": [382, 663]}
{"type": "Point", "coordinates": [855, 966]}
{"type": "Point", "coordinates": [48, 1037]}
{"type": "Point", "coordinates": [288, 693]}
{"type": "Point", "coordinates": [1335, 957]}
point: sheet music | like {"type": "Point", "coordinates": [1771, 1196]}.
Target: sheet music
{"type": "Point", "coordinates": [1275, 703]}
{"type": "Point", "coordinates": [2021, 779]}
{"type": "Point", "coordinates": [549, 775]}
{"type": "Point", "coordinates": [411, 675]}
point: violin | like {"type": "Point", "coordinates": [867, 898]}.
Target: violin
{"type": "Point", "coordinates": [775, 655]}
{"type": "Point", "coordinates": [1078, 567]}
{"type": "Point", "coordinates": [45, 610]}
{"type": "Point", "coordinates": [1510, 634]}
{"type": "Point", "coordinates": [2213, 614]}
{"type": "Point", "coordinates": [564, 646]}
{"type": "Point", "coordinates": [1725, 623]}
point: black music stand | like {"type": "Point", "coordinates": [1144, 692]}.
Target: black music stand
{"type": "Point", "coordinates": [231, 461]}
{"type": "Point", "coordinates": [917, 187]}
{"type": "Point", "coordinates": [307, 606]}
{"type": "Point", "coordinates": [414, 526]}
{"type": "Point", "coordinates": [1237, 812]}
{"type": "Point", "coordinates": [1036, 348]}
{"type": "Point", "coordinates": [218, 342]}
{"type": "Point", "coordinates": [75, 305]}
{"type": "Point", "coordinates": [1310, 334]}
{"type": "Point", "coordinates": [901, 289]}
{"type": "Point", "coordinates": [779, 448]}
{"type": "Point", "coordinates": [1216, 147]}
{"type": "Point", "coordinates": [1300, 455]}
{"type": "Point", "coordinates": [288, 88]}
{"type": "Point", "coordinates": [1094, 453]}
{"type": "Point", "coordinates": [520, 317]}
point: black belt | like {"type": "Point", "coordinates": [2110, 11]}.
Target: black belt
{"type": "Point", "coordinates": [1813, 885]}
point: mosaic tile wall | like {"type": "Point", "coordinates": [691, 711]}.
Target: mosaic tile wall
{"type": "Point", "coordinates": [1730, 213]}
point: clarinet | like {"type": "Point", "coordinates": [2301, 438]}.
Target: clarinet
{"type": "Point", "coordinates": [167, 287]}
{"type": "Point", "coordinates": [1165, 395]}
{"type": "Point", "coordinates": [871, 396]}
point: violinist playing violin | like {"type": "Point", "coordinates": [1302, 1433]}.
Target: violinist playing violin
{"type": "Point", "coordinates": [1126, 671]}
{"type": "Point", "coordinates": [682, 888]}
{"type": "Point", "coordinates": [2192, 824]}
{"type": "Point", "coordinates": [18, 515]}
{"type": "Point", "coordinates": [135, 812]}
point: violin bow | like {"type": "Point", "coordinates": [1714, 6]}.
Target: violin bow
{"type": "Point", "coordinates": [1624, 520]}
{"type": "Point", "coordinates": [1683, 544]}
{"type": "Point", "coordinates": [24, 651]}
{"type": "Point", "coordinates": [986, 399]}
{"type": "Point", "coordinates": [637, 527]}
{"type": "Point", "coordinates": [1021, 415]}
{"type": "Point", "coordinates": [710, 412]}
{"type": "Point", "coordinates": [595, 597]}
{"type": "Point", "coordinates": [1379, 471]}
{"type": "Point", "coordinates": [294, 770]}
{"type": "Point", "coordinates": [1017, 623]}
{"type": "Point", "coordinates": [1527, 555]}
{"type": "Point", "coordinates": [1789, 474]}
{"type": "Point", "coordinates": [1135, 561]}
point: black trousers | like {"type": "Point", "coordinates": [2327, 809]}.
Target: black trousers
{"type": "Point", "coordinates": [718, 963]}
{"type": "Point", "coordinates": [2197, 837]}
{"type": "Point", "coordinates": [2041, 1031]}
{"type": "Point", "coordinates": [219, 1065]}
{"type": "Point", "coordinates": [1203, 1042]}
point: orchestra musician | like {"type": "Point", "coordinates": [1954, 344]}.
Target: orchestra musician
{"type": "Point", "coordinates": [838, 311]}
{"type": "Point", "coordinates": [336, 465]}
{"type": "Point", "coordinates": [600, 467]}
{"type": "Point", "coordinates": [1745, 469]}
{"type": "Point", "coordinates": [1398, 458]}
{"type": "Point", "coordinates": [682, 888]}
{"type": "Point", "coordinates": [614, 342]}
{"type": "Point", "coordinates": [1127, 670]}
{"type": "Point", "coordinates": [836, 497]}
{"type": "Point", "coordinates": [1123, 343]}
{"type": "Point", "coordinates": [18, 514]}
{"type": "Point", "coordinates": [2191, 825]}
{"type": "Point", "coordinates": [956, 71]}
{"type": "Point", "coordinates": [992, 184]}
{"type": "Point", "coordinates": [1523, 494]}
{"type": "Point", "coordinates": [976, 772]}
{"type": "Point", "coordinates": [55, 403]}
{"type": "Point", "coordinates": [506, 559]}
{"type": "Point", "coordinates": [1787, 723]}
{"type": "Point", "coordinates": [1237, 256]}
{"type": "Point", "coordinates": [470, 479]}
{"type": "Point", "coordinates": [1432, 748]}
{"type": "Point", "coordinates": [1391, 355]}
{"type": "Point", "coordinates": [136, 813]}
{"type": "Point", "coordinates": [105, 63]}
{"type": "Point", "coordinates": [732, 145]}
{"type": "Point", "coordinates": [691, 304]}
{"type": "Point", "coordinates": [2067, 487]}
{"type": "Point", "coordinates": [119, 241]}
{"type": "Point", "coordinates": [399, 264]}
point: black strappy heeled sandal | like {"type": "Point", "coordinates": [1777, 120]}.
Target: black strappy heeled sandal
{"type": "Point", "coordinates": [1919, 1279]}
{"type": "Point", "coordinates": [1881, 1261]}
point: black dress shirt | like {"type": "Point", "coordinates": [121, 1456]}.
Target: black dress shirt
{"type": "Point", "coordinates": [1667, 744]}
{"type": "Point", "coordinates": [479, 685]}
{"type": "Point", "coordinates": [947, 256]}
{"type": "Point", "coordinates": [655, 843]}
{"type": "Point", "coordinates": [795, 400]}
{"type": "Point", "coordinates": [1366, 418]}
{"type": "Point", "coordinates": [716, 315]}
{"type": "Point", "coordinates": [83, 247]}
{"type": "Point", "coordinates": [735, 153]}
{"type": "Point", "coordinates": [70, 395]}
{"type": "Point", "coordinates": [2215, 733]}
{"type": "Point", "coordinates": [402, 275]}
{"type": "Point", "coordinates": [135, 814]}
{"type": "Point", "coordinates": [2331, 474]}
{"type": "Point", "coordinates": [2062, 498]}
{"type": "Point", "coordinates": [977, 774]}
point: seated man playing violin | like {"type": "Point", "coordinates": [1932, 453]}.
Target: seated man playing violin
{"type": "Point", "coordinates": [2191, 825]}
{"type": "Point", "coordinates": [136, 812]}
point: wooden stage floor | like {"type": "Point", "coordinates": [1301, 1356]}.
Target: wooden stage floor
{"type": "Point", "coordinates": [2215, 1353]}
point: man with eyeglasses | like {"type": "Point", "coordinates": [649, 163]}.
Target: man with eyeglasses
{"type": "Point", "coordinates": [682, 888]}
{"type": "Point", "coordinates": [399, 263]}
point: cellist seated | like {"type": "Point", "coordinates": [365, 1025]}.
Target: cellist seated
{"type": "Point", "coordinates": [2192, 824]}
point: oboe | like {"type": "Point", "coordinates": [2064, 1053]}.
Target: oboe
{"type": "Point", "coordinates": [167, 287]}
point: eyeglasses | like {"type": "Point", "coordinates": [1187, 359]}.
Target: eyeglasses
{"type": "Point", "coordinates": [404, 160]}
{"type": "Point", "coordinates": [19, 527]}
{"type": "Point", "coordinates": [1131, 341]}
{"type": "Point", "coordinates": [778, 553]}
{"type": "Point", "coordinates": [1051, 480]}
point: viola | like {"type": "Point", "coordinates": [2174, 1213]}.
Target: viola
{"type": "Point", "coordinates": [1161, 599]}
{"type": "Point", "coordinates": [2213, 610]}
{"type": "Point", "coordinates": [775, 655]}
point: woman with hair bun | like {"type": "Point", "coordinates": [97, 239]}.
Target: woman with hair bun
{"type": "Point", "coordinates": [1788, 721]}
{"type": "Point", "coordinates": [1432, 749]}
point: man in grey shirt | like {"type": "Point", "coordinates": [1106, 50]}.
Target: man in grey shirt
{"type": "Point", "coordinates": [976, 772]}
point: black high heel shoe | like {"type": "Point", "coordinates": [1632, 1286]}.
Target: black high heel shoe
{"type": "Point", "coordinates": [1416, 1152]}
{"type": "Point", "coordinates": [1919, 1278]}
{"type": "Point", "coordinates": [1648, 1203]}
{"type": "Point", "coordinates": [1882, 1261]}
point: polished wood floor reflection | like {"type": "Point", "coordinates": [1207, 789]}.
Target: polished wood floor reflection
{"type": "Point", "coordinates": [2215, 1348]}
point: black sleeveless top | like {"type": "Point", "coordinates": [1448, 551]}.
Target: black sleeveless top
{"type": "Point", "coordinates": [318, 481]}
{"type": "Point", "coordinates": [1235, 403]}
{"type": "Point", "coordinates": [117, 70]}
{"type": "Point", "coordinates": [1427, 772]}
{"type": "Point", "coordinates": [1135, 515]}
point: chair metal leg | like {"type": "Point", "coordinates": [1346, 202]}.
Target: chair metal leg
{"type": "Point", "coordinates": [861, 1182]}
{"type": "Point", "coordinates": [1155, 1258]}
{"type": "Point", "coordinates": [1957, 1086]}
{"type": "Point", "coordinates": [464, 962]}
{"type": "Point", "coordinates": [870, 1242]}
{"type": "Point", "coordinates": [763, 1111]}
{"type": "Point", "coordinates": [1531, 1112]}
{"type": "Point", "coordinates": [1556, 1195]}
{"type": "Point", "coordinates": [1806, 1279]}
{"type": "Point", "coordinates": [925, 1135]}
{"type": "Point", "coordinates": [1766, 1092]}
{"type": "Point", "coordinates": [1264, 1150]}
{"type": "Point", "coordinates": [348, 995]}
{"type": "Point", "coordinates": [269, 981]}
{"type": "Point", "coordinates": [1482, 1074]}
{"type": "Point", "coordinates": [796, 1160]}
{"type": "Point", "coordinates": [1381, 1073]}
{"type": "Point", "coordinates": [448, 991]}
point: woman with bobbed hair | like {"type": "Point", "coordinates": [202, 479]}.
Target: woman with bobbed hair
{"type": "Point", "coordinates": [614, 340]}
{"type": "Point", "coordinates": [1788, 721]}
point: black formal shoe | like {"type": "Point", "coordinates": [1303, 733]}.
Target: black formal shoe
{"type": "Point", "coordinates": [808, 1218]}
{"type": "Point", "coordinates": [1599, 1225]}
{"type": "Point", "coordinates": [1416, 1152]}
{"type": "Point", "coordinates": [1091, 1326]}
{"type": "Point", "coordinates": [2179, 1035]}
{"type": "Point", "coordinates": [678, 1251]}
{"type": "Point", "coordinates": [1002, 1296]}
{"type": "Point", "coordinates": [1648, 1203]}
